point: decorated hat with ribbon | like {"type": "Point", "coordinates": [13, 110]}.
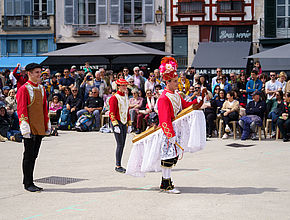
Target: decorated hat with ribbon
{"type": "Point", "coordinates": [121, 82]}
{"type": "Point", "coordinates": [168, 68]}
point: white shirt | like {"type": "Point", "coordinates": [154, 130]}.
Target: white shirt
{"type": "Point", "coordinates": [273, 87]}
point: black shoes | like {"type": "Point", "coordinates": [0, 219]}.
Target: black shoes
{"type": "Point", "coordinates": [18, 137]}
{"type": "Point", "coordinates": [138, 131]}
{"type": "Point", "coordinates": [286, 139]}
{"type": "Point", "coordinates": [33, 188]}
{"type": "Point", "coordinates": [120, 169]}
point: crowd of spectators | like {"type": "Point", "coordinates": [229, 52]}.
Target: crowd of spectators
{"type": "Point", "coordinates": [249, 100]}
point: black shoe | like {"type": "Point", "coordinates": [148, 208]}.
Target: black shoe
{"type": "Point", "coordinates": [209, 136]}
{"type": "Point", "coordinates": [286, 139]}
{"type": "Point", "coordinates": [138, 131]}
{"type": "Point", "coordinates": [32, 189]}
{"type": "Point", "coordinates": [120, 169]}
{"type": "Point", "coordinates": [18, 137]}
{"type": "Point", "coordinates": [41, 189]}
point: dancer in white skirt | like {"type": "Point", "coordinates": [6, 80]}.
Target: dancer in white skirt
{"type": "Point", "coordinates": [170, 104]}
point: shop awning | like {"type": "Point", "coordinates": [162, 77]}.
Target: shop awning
{"type": "Point", "coordinates": [11, 62]}
{"type": "Point", "coordinates": [222, 54]}
{"type": "Point", "coordinates": [282, 52]}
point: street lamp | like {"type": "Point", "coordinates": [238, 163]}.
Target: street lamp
{"type": "Point", "coordinates": [159, 14]}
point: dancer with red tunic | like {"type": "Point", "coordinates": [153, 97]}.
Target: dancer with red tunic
{"type": "Point", "coordinates": [33, 120]}
{"type": "Point", "coordinates": [120, 118]}
{"type": "Point", "coordinates": [170, 104]}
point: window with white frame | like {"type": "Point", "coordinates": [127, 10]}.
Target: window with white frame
{"type": "Point", "coordinates": [132, 12]}
{"type": "Point", "coordinates": [190, 7]}
{"type": "Point", "coordinates": [230, 6]}
{"type": "Point", "coordinates": [283, 14]}
{"type": "Point", "coordinates": [87, 12]}
{"type": "Point", "coordinates": [40, 13]}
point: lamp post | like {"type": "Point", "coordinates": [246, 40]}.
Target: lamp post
{"type": "Point", "coordinates": [159, 15]}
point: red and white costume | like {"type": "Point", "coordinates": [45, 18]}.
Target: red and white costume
{"type": "Point", "coordinates": [119, 109]}
{"type": "Point", "coordinates": [32, 109]}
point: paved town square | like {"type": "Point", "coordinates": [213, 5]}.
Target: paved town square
{"type": "Point", "coordinates": [250, 181]}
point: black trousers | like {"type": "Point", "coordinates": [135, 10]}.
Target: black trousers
{"type": "Point", "coordinates": [284, 126]}
{"type": "Point", "coordinates": [210, 124]}
{"type": "Point", "coordinates": [31, 149]}
{"type": "Point", "coordinates": [120, 139]}
{"type": "Point", "coordinates": [233, 116]}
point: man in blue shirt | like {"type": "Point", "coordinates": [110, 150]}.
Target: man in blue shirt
{"type": "Point", "coordinates": [253, 85]}
{"type": "Point", "coordinates": [66, 81]}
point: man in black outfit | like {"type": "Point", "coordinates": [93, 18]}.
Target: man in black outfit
{"type": "Point", "coordinates": [94, 105]}
{"type": "Point", "coordinates": [74, 104]}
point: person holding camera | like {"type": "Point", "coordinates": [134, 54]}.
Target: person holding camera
{"type": "Point", "coordinates": [87, 85]}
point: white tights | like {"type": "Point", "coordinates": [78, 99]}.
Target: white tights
{"type": "Point", "coordinates": [166, 173]}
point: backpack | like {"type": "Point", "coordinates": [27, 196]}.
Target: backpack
{"type": "Point", "coordinates": [85, 122]}
{"type": "Point", "coordinates": [64, 122]}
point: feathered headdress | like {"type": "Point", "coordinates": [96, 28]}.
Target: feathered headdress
{"type": "Point", "coordinates": [168, 68]}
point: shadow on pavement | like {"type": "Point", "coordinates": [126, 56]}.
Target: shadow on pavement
{"type": "Point", "coordinates": [173, 170]}
{"type": "Point", "coordinates": [193, 190]}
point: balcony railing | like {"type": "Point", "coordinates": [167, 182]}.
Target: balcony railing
{"type": "Point", "coordinates": [80, 30]}
{"type": "Point", "coordinates": [25, 22]}
{"type": "Point", "coordinates": [135, 30]}
{"type": "Point", "coordinates": [282, 28]}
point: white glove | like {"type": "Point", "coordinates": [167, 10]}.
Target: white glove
{"type": "Point", "coordinates": [117, 129]}
{"type": "Point", "coordinates": [27, 135]}
{"type": "Point", "coordinates": [172, 140]}
{"type": "Point", "coordinates": [129, 130]}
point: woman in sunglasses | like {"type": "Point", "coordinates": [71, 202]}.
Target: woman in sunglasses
{"type": "Point", "coordinates": [151, 83]}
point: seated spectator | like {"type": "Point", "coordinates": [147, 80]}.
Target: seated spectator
{"type": "Point", "coordinates": [196, 94]}
{"type": "Point", "coordinates": [224, 84]}
{"type": "Point", "coordinates": [255, 111]}
{"type": "Point", "coordinates": [6, 123]}
{"type": "Point", "coordinates": [254, 84]}
{"type": "Point", "coordinates": [287, 87]}
{"type": "Point", "coordinates": [196, 79]}
{"type": "Point", "coordinates": [93, 105]}
{"type": "Point", "coordinates": [55, 108]}
{"type": "Point", "coordinates": [272, 86]}
{"type": "Point", "coordinates": [277, 108]}
{"type": "Point", "coordinates": [99, 83]}
{"type": "Point", "coordinates": [67, 93]}
{"type": "Point", "coordinates": [87, 85]}
{"type": "Point", "coordinates": [5, 92]}
{"type": "Point", "coordinates": [74, 104]}
{"type": "Point", "coordinates": [220, 99]}
{"type": "Point", "coordinates": [10, 101]}
{"type": "Point", "coordinates": [114, 84]}
{"type": "Point", "coordinates": [145, 110]}
{"type": "Point", "coordinates": [284, 120]}
{"type": "Point", "coordinates": [54, 85]}
{"type": "Point", "coordinates": [230, 112]}
{"type": "Point", "coordinates": [135, 104]}
{"type": "Point", "coordinates": [131, 85]}
{"type": "Point", "coordinates": [151, 83]}
{"type": "Point", "coordinates": [183, 83]}
{"type": "Point", "coordinates": [216, 92]}
{"type": "Point", "coordinates": [107, 93]}
{"type": "Point", "coordinates": [21, 77]}
{"type": "Point", "coordinates": [282, 79]}
{"type": "Point", "coordinates": [58, 76]}
{"type": "Point", "coordinates": [66, 80]}
{"type": "Point", "coordinates": [203, 83]}
{"type": "Point", "coordinates": [210, 112]}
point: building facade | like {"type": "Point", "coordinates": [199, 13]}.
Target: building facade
{"type": "Point", "coordinates": [192, 21]}
{"type": "Point", "coordinates": [128, 20]}
{"type": "Point", "coordinates": [27, 28]}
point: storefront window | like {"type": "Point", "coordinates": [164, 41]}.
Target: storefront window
{"type": "Point", "coordinates": [27, 46]}
{"type": "Point", "coordinates": [42, 46]}
{"type": "Point", "coordinates": [12, 46]}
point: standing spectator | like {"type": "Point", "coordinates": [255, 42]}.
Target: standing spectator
{"type": "Point", "coordinates": [138, 80]}
{"type": "Point", "coordinates": [87, 85]}
{"type": "Point", "coordinates": [214, 79]}
{"type": "Point", "coordinates": [157, 76]}
{"type": "Point", "coordinates": [284, 120]}
{"type": "Point", "coordinates": [135, 104]}
{"type": "Point", "coordinates": [210, 113]}
{"type": "Point", "coordinates": [66, 81]}
{"type": "Point", "coordinates": [282, 79]}
{"type": "Point", "coordinates": [254, 84]}
{"type": "Point", "coordinates": [183, 83]}
{"type": "Point", "coordinates": [224, 84]}
{"type": "Point", "coordinates": [149, 104]}
{"type": "Point", "coordinates": [54, 88]}
{"type": "Point", "coordinates": [21, 77]}
{"type": "Point", "coordinates": [114, 84]}
{"type": "Point", "coordinates": [242, 89]}
{"type": "Point", "coordinates": [258, 67]}
{"type": "Point", "coordinates": [230, 112]}
{"type": "Point", "coordinates": [190, 72]}
{"type": "Point", "coordinates": [131, 85]}
{"type": "Point", "coordinates": [87, 68]}
{"type": "Point", "coordinates": [104, 77]}
{"type": "Point", "coordinates": [93, 105]}
{"type": "Point", "coordinates": [5, 91]}
{"type": "Point", "coordinates": [107, 93]}
{"type": "Point", "coordinates": [126, 73]}
{"type": "Point", "coordinates": [2, 80]}
{"type": "Point", "coordinates": [99, 83]}
{"type": "Point", "coordinates": [58, 76]}
{"type": "Point", "coordinates": [74, 104]}
{"type": "Point", "coordinates": [158, 91]}
{"type": "Point", "coordinates": [74, 74]}
{"type": "Point", "coordinates": [233, 82]}
{"type": "Point", "coordinates": [272, 86]}
{"type": "Point", "coordinates": [196, 79]}
{"type": "Point", "coordinates": [264, 78]}
{"type": "Point", "coordinates": [151, 83]}
{"type": "Point", "coordinates": [255, 111]}
{"type": "Point", "coordinates": [276, 110]}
